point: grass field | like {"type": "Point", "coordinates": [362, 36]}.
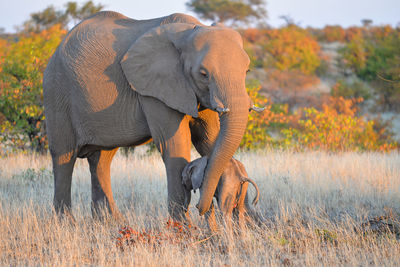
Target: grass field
{"type": "Point", "coordinates": [316, 205]}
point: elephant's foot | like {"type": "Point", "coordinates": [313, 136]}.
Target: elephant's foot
{"type": "Point", "coordinates": [211, 219]}
{"type": "Point", "coordinates": [103, 211]}
{"type": "Point", "coordinates": [179, 213]}
{"type": "Point", "coordinates": [64, 213]}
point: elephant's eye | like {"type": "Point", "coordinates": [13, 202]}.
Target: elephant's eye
{"type": "Point", "coordinates": [204, 72]}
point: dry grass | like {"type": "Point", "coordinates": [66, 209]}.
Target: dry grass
{"type": "Point", "coordinates": [315, 205]}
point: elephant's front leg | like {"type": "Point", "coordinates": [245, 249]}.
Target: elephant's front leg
{"type": "Point", "coordinates": [175, 159]}
{"type": "Point", "coordinates": [102, 196]}
{"type": "Point", "coordinates": [170, 131]}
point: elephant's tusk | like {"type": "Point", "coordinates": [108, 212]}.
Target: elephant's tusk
{"type": "Point", "coordinates": [221, 110]}
{"type": "Point", "coordinates": [257, 109]}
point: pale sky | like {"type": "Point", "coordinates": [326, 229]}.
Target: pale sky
{"type": "Point", "coordinates": [316, 13]}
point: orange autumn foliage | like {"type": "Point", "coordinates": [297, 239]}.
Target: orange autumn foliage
{"type": "Point", "coordinates": [293, 48]}
{"type": "Point", "coordinates": [22, 62]}
{"type": "Point", "coordinates": [288, 48]}
{"type": "Point", "coordinates": [334, 33]}
{"type": "Point", "coordinates": [335, 127]}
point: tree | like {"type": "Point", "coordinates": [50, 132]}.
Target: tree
{"type": "Point", "coordinates": [292, 48]}
{"type": "Point", "coordinates": [22, 63]}
{"type": "Point", "coordinates": [289, 21]}
{"type": "Point", "coordinates": [366, 22]}
{"type": "Point", "coordinates": [46, 19]}
{"type": "Point", "coordinates": [375, 59]}
{"type": "Point", "coordinates": [51, 16]}
{"type": "Point", "coordinates": [87, 9]}
{"type": "Point", "coordinates": [23, 59]}
{"type": "Point", "coordinates": [229, 11]}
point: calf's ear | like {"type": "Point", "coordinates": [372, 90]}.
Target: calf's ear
{"type": "Point", "coordinates": [193, 173]}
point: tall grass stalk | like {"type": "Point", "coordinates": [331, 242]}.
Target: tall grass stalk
{"type": "Point", "coordinates": [314, 204]}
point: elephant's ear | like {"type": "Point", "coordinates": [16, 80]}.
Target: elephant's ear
{"type": "Point", "coordinates": [153, 67]}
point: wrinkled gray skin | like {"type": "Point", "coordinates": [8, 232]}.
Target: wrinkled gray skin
{"type": "Point", "coordinates": [231, 193]}
{"type": "Point", "coordinates": [115, 81]}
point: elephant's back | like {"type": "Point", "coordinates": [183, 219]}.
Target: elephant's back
{"type": "Point", "coordinates": [105, 34]}
{"type": "Point", "coordinates": [97, 38]}
{"type": "Point", "coordinates": [89, 61]}
{"type": "Point", "coordinates": [84, 79]}
{"type": "Point", "coordinates": [110, 33]}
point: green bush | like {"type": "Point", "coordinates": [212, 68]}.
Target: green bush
{"type": "Point", "coordinates": [21, 95]}
{"type": "Point", "coordinates": [336, 127]}
{"type": "Point", "coordinates": [375, 58]}
{"type": "Point", "coordinates": [350, 90]}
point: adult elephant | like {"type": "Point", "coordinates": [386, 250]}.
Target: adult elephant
{"type": "Point", "coordinates": [115, 81]}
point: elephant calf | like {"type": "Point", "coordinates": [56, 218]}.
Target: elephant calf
{"type": "Point", "coordinates": [231, 192]}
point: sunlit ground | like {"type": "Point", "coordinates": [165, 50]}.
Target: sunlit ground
{"type": "Point", "coordinates": [315, 205]}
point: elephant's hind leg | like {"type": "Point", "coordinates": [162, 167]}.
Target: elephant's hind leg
{"type": "Point", "coordinates": [102, 197]}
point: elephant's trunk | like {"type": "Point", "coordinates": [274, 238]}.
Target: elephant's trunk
{"type": "Point", "coordinates": [232, 127]}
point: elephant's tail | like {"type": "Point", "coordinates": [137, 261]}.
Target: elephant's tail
{"type": "Point", "coordinates": [255, 200]}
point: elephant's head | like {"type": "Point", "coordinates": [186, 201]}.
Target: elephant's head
{"type": "Point", "coordinates": [232, 187]}
{"type": "Point", "coordinates": [188, 66]}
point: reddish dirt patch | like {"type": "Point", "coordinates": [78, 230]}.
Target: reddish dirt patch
{"type": "Point", "coordinates": [174, 233]}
